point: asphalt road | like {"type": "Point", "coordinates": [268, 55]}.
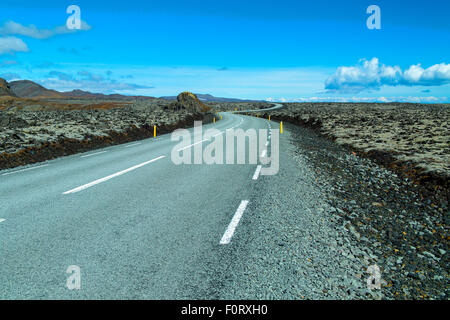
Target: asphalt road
{"type": "Point", "coordinates": [136, 224]}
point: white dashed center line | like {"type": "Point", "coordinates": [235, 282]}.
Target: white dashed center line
{"type": "Point", "coordinates": [1, 220]}
{"type": "Point", "coordinates": [263, 154]}
{"type": "Point", "coordinates": [92, 154]}
{"type": "Point", "coordinates": [93, 183]}
{"type": "Point", "coordinates": [234, 222]}
{"type": "Point", "coordinates": [257, 171]}
{"type": "Point", "coordinates": [181, 149]}
{"type": "Point", "coordinates": [132, 145]}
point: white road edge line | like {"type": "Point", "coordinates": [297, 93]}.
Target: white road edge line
{"type": "Point", "coordinates": [44, 165]}
{"type": "Point", "coordinates": [234, 222]}
{"type": "Point", "coordinates": [1, 220]}
{"type": "Point", "coordinates": [93, 183]}
{"type": "Point", "coordinates": [257, 171]}
{"type": "Point", "coordinates": [92, 154]}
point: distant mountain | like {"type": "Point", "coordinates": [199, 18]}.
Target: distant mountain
{"type": "Point", "coordinates": [5, 88]}
{"type": "Point", "coordinates": [30, 89]}
{"type": "Point", "coordinates": [80, 94]}
{"type": "Point", "coordinates": [210, 98]}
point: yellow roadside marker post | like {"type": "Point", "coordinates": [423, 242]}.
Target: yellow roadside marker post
{"type": "Point", "coordinates": [154, 131]}
{"type": "Point", "coordinates": [214, 120]}
{"type": "Point", "coordinates": [220, 117]}
{"type": "Point", "coordinates": [269, 117]}
{"type": "Point", "coordinates": [281, 127]}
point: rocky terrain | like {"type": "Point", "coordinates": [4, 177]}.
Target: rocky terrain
{"type": "Point", "coordinates": [390, 223]}
{"type": "Point", "coordinates": [33, 130]}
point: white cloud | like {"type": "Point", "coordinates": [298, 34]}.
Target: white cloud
{"type": "Point", "coordinates": [369, 74]}
{"type": "Point", "coordinates": [14, 28]}
{"type": "Point", "coordinates": [435, 75]}
{"type": "Point", "coordinates": [11, 45]}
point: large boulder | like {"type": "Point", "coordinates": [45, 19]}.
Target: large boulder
{"type": "Point", "coordinates": [190, 102]}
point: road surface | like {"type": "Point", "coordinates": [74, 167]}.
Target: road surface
{"type": "Point", "coordinates": [140, 227]}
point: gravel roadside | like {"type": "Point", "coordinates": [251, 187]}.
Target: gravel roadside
{"type": "Point", "coordinates": [387, 214]}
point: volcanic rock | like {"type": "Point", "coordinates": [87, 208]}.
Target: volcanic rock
{"type": "Point", "coordinates": [190, 102]}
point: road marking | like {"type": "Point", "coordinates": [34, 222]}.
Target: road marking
{"type": "Point", "coordinates": [92, 154]}
{"type": "Point", "coordinates": [44, 165]}
{"type": "Point", "coordinates": [257, 171]}
{"type": "Point", "coordinates": [234, 222]}
{"type": "Point", "coordinates": [263, 154]}
{"type": "Point", "coordinates": [237, 125]}
{"type": "Point", "coordinates": [181, 149]}
{"type": "Point", "coordinates": [93, 183]}
{"type": "Point", "coordinates": [1, 220]}
{"type": "Point", "coordinates": [131, 145]}
{"type": "Point", "coordinates": [267, 143]}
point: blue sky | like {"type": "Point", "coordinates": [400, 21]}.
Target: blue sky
{"type": "Point", "coordinates": [281, 50]}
